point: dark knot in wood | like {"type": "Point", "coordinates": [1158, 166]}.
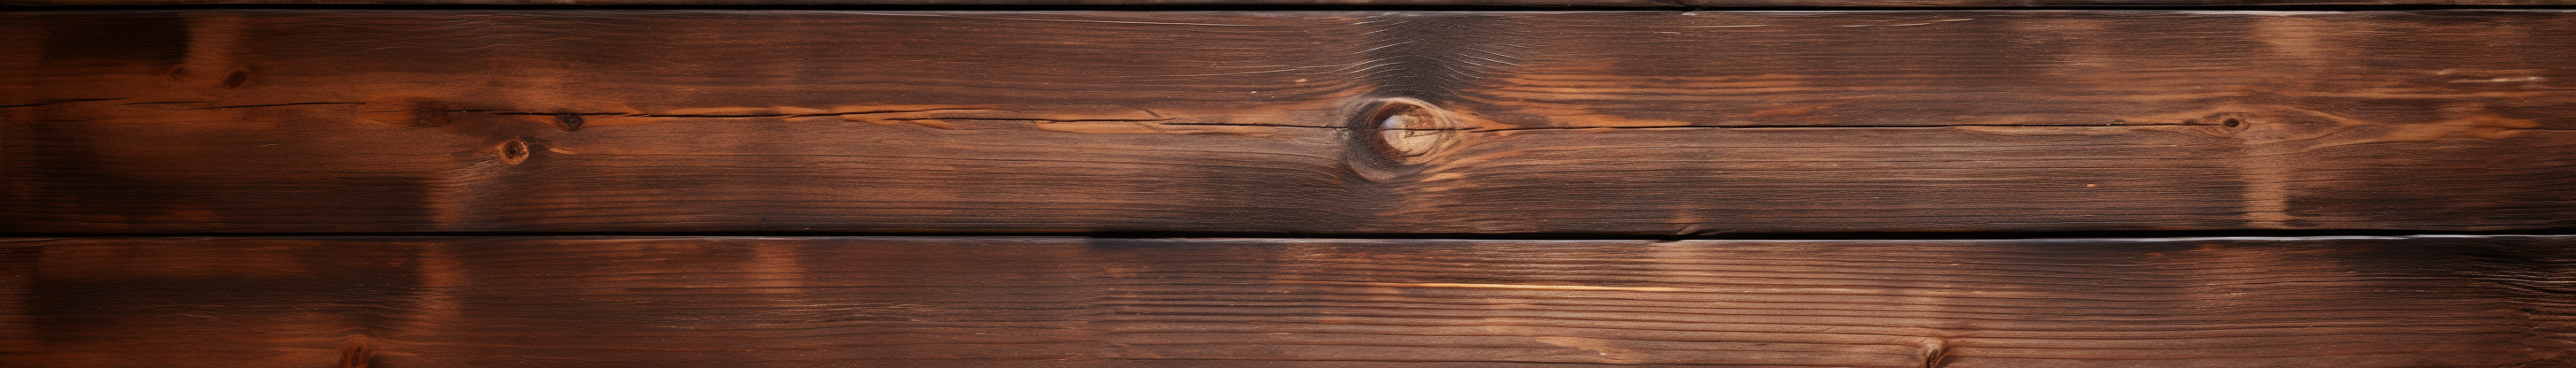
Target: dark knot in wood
{"type": "Point", "coordinates": [2225, 124]}
{"type": "Point", "coordinates": [514, 152]}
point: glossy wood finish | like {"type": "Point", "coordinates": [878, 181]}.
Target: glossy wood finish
{"type": "Point", "coordinates": [1296, 122]}
{"type": "Point", "coordinates": [980, 302]}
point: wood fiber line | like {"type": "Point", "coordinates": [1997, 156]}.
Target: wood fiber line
{"type": "Point", "coordinates": [1639, 123]}
{"type": "Point", "coordinates": [2462, 301]}
{"type": "Point", "coordinates": [1534, 4]}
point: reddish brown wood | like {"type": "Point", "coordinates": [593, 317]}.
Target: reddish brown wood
{"type": "Point", "coordinates": [2483, 301]}
{"type": "Point", "coordinates": [1588, 122]}
{"type": "Point", "coordinates": [354, 121]}
{"type": "Point", "coordinates": [1718, 4]}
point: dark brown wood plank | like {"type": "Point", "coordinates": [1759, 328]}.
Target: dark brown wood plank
{"type": "Point", "coordinates": [1584, 122]}
{"type": "Point", "coordinates": [2458, 301]}
{"type": "Point", "coordinates": [1719, 4]}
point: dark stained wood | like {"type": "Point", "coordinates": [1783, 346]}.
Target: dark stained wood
{"type": "Point", "coordinates": [1720, 4]}
{"type": "Point", "coordinates": [1292, 122]}
{"type": "Point", "coordinates": [2460, 301]}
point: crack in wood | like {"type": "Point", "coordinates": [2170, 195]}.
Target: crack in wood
{"type": "Point", "coordinates": [59, 102]}
{"type": "Point", "coordinates": [869, 112]}
{"type": "Point", "coordinates": [264, 105]}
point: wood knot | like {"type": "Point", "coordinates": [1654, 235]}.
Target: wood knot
{"type": "Point", "coordinates": [1406, 131]}
{"type": "Point", "coordinates": [236, 79]}
{"type": "Point", "coordinates": [2225, 124]}
{"type": "Point", "coordinates": [356, 355]}
{"type": "Point", "coordinates": [1936, 353]}
{"type": "Point", "coordinates": [568, 122]}
{"type": "Point", "coordinates": [514, 152]}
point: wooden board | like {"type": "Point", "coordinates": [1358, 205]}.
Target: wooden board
{"type": "Point", "coordinates": [1721, 4]}
{"type": "Point", "coordinates": [2461, 301]}
{"type": "Point", "coordinates": [1292, 122]}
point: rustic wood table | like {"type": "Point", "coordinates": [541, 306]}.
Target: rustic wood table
{"type": "Point", "coordinates": [1287, 183]}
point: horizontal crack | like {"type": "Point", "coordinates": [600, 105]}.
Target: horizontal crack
{"type": "Point", "coordinates": [2109, 125]}
{"type": "Point", "coordinates": [556, 113]}
{"type": "Point", "coordinates": [1033, 119]}
{"type": "Point", "coordinates": [1775, 235]}
{"type": "Point", "coordinates": [268, 105]}
{"type": "Point", "coordinates": [1258, 125]}
{"type": "Point", "coordinates": [784, 115]}
{"type": "Point", "coordinates": [60, 102]}
{"type": "Point", "coordinates": [1673, 6]}
{"type": "Point", "coordinates": [2115, 125]}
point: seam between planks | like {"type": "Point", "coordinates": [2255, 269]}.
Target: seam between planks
{"type": "Point", "coordinates": [1785, 236]}
{"type": "Point", "coordinates": [17, 7]}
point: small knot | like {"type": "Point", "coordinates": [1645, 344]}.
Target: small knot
{"type": "Point", "coordinates": [514, 152]}
{"type": "Point", "coordinates": [2225, 124]}
{"type": "Point", "coordinates": [568, 122]}
{"type": "Point", "coordinates": [1408, 131]}
{"type": "Point", "coordinates": [1936, 353]}
{"type": "Point", "coordinates": [356, 355]}
{"type": "Point", "coordinates": [236, 79]}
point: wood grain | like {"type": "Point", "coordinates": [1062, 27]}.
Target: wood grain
{"type": "Point", "coordinates": [2459, 301]}
{"type": "Point", "coordinates": [1289, 122]}
{"type": "Point", "coordinates": [1719, 4]}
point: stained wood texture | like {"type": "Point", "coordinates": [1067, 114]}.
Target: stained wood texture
{"type": "Point", "coordinates": [1530, 3]}
{"type": "Point", "coordinates": [982, 302]}
{"type": "Point", "coordinates": [1303, 122]}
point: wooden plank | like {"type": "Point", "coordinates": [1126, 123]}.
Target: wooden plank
{"type": "Point", "coordinates": [1720, 4]}
{"type": "Point", "coordinates": [2487, 301]}
{"type": "Point", "coordinates": [1581, 122]}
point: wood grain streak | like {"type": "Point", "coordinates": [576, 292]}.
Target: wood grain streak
{"type": "Point", "coordinates": [1287, 122]}
{"type": "Point", "coordinates": [1537, 4]}
{"type": "Point", "coordinates": [2457, 301]}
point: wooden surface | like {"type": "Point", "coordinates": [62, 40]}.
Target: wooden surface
{"type": "Point", "coordinates": [1719, 4]}
{"type": "Point", "coordinates": [1295, 122]}
{"type": "Point", "coordinates": [1284, 124]}
{"type": "Point", "coordinates": [2497, 301]}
